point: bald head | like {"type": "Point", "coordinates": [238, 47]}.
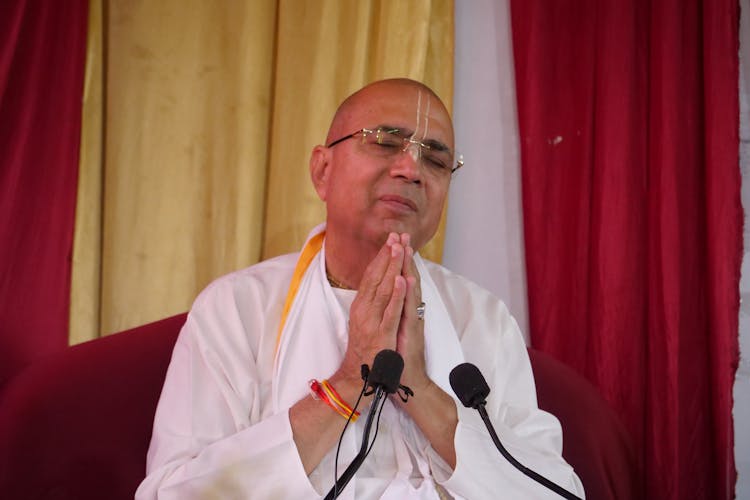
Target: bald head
{"type": "Point", "coordinates": [371, 96]}
{"type": "Point", "coordinates": [372, 189]}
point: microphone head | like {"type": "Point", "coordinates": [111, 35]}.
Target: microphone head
{"type": "Point", "coordinates": [469, 385]}
{"type": "Point", "coordinates": [386, 371]}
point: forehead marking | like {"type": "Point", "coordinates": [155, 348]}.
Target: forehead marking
{"type": "Point", "coordinates": [420, 132]}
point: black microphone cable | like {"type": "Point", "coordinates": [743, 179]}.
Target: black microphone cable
{"type": "Point", "coordinates": [471, 388]}
{"type": "Point", "coordinates": [384, 380]}
{"type": "Point", "coordinates": [341, 437]}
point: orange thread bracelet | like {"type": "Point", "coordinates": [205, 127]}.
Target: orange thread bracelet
{"type": "Point", "coordinates": [325, 392]}
{"type": "Point", "coordinates": [317, 391]}
{"type": "Point", "coordinates": [332, 394]}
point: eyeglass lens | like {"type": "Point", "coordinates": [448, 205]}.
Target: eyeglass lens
{"type": "Point", "coordinates": [389, 142]}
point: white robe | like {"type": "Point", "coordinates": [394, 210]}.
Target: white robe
{"type": "Point", "coordinates": [222, 426]}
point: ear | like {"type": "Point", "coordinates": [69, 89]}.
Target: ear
{"type": "Point", "coordinates": [320, 170]}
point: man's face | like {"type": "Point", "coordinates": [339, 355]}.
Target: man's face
{"type": "Point", "coordinates": [368, 194]}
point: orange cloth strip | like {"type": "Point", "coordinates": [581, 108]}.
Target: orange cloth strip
{"type": "Point", "coordinates": [311, 249]}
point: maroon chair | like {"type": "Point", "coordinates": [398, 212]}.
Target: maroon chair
{"type": "Point", "coordinates": [595, 442]}
{"type": "Point", "coordinates": [77, 425]}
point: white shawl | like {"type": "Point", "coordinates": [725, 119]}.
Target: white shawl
{"type": "Point", "coordinates": [313, 340]}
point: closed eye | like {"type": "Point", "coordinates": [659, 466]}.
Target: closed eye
{"type": "Point", "coordinates": [436, 163]}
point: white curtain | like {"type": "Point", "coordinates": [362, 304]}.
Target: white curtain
{"type": "Point", "coordinates": [742, 381]}
{"type": "Point", "coordinates": [484, 231]}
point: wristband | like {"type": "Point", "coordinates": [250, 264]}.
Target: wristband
{"type": "Point", "coordinates": [325, 392]}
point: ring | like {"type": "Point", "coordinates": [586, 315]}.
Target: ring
{"type": "Point", "coordinates": [420, 311]}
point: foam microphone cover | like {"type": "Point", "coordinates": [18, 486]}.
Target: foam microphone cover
{"type": "Point", "coordinates": [469, 385]}
{"type": "Point", "coordinates": [386, 370]}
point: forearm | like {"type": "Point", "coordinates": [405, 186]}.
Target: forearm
{"type": "Point", "coordinates": [271, 458]}
{"type": "Point", "coordinates": [316, 427]}
{"type": "Point", "coordinates": [261, 459]}
{"type": "Point", "coordinates": [435, 414]}
{"type": "Point", "coordinates": [530, 436]}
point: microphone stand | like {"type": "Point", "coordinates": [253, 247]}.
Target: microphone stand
{"type": "Point", "coordinates": [518, 465]}
{"type": "Point", "coordinates": [341, 482]}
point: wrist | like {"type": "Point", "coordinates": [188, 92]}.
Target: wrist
{"type": "Point", "coordinates": [348, 385]}
{"type": "Point", "coordinates": [423, 392]}
{"type": "Point", "coordinates": [418, 383]}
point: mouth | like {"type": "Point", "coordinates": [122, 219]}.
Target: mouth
{"type": "Point", "coordinates": [399, 202]}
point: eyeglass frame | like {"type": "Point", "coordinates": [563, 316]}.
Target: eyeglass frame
{"type": "Point", "coordinates": [407, 141]}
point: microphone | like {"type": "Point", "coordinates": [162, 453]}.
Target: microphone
{"type": "Point", "coordinates": [469, 385]}
{"type": "Point", "coordinates": [471, 388]}
{"type": "Point", "coordinates": [384, 378]}
{"type": "Point", "coordinates": [386, 371]}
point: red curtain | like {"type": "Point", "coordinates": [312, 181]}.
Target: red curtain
{"type": "Point", "coordinates": [629, 123]}
{"type": "Point", "coordinates": [42, 55]}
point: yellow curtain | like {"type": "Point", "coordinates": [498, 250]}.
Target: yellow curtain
{"type": "Point", "coordinates": [85, 301]}
{"type": "Point", "coordinates": [195, 161]}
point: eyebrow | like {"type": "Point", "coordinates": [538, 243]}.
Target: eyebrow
{"type": "Point", "coordinates": [385, 126]}
{"type": "Point", "coordinates": [405, 132]}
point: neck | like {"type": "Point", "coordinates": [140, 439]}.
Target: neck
{"type": "Point", "coordinates": [346, 260]}
{"type": "Point", "coordinates": [336, 283]}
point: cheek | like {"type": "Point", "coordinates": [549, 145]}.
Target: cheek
{"type": "Point", "coordinates": [348, 191]}
{"type": "Point", "coordinates": [357, 185]}
{"type": "Point", "coordinates": [436, 199]}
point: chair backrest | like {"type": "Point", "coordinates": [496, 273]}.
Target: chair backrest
{"type": "Point", "coordinates": [77, 425]}
{"type": "Point", "coordinates": [595, 442]}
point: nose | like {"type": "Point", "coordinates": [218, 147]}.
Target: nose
{"type": "Point", "coordinates": [407, 164]}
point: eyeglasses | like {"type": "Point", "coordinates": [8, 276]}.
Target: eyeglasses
{"type": "Point", "coordinates": [387, 143]}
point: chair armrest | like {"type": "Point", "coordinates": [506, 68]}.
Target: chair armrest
{"type": "Point", "coordinates": [77, 424]}
{"type": "Point", "coordinates": [595, 442]}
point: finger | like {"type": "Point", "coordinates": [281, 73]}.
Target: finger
{"type": "Point", "coordinates": [394, 309]}
{"type": "Point", "coordinates": [410, 269]}
{"type": "Point", "coordinates": [405, 239]}
{"type": "Point", "coordinates": [384, 290]}
{"type": "Point", "coordinates": [413, 292]}
{"type": "Point", "coordinates": [410, 336]}
{"type": "Point", "coordinates": [411, 300]}
{"type": "Point", "coordinates": [376, 269]}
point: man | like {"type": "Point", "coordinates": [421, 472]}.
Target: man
{"type": "Point", "coordinates": [237, 417]}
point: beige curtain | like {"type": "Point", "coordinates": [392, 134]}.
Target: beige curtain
{"type": "Point", "coordinates": [198, 121]}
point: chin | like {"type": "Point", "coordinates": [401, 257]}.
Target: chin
{"type": "Point", "coordinates": [399, 226]}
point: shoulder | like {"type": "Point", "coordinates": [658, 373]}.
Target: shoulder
{"type": "Point", "coordinates": [233, 315]}
{"type": "Point", "coordinates": [461, 294]}
{"type": "Point", "coordinates": [259, 283]}
{"type": "Point", "coordinates": [490, 337]}
{"type": "Point", "coordinates": [479, 317]}
{"type": "Point", "coordinates": [269, 270]}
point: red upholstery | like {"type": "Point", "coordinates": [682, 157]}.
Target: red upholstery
{"type": "Point", "coordinates": [595, 443]}
{"type": "Point", "coordinates": [77, 425]}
